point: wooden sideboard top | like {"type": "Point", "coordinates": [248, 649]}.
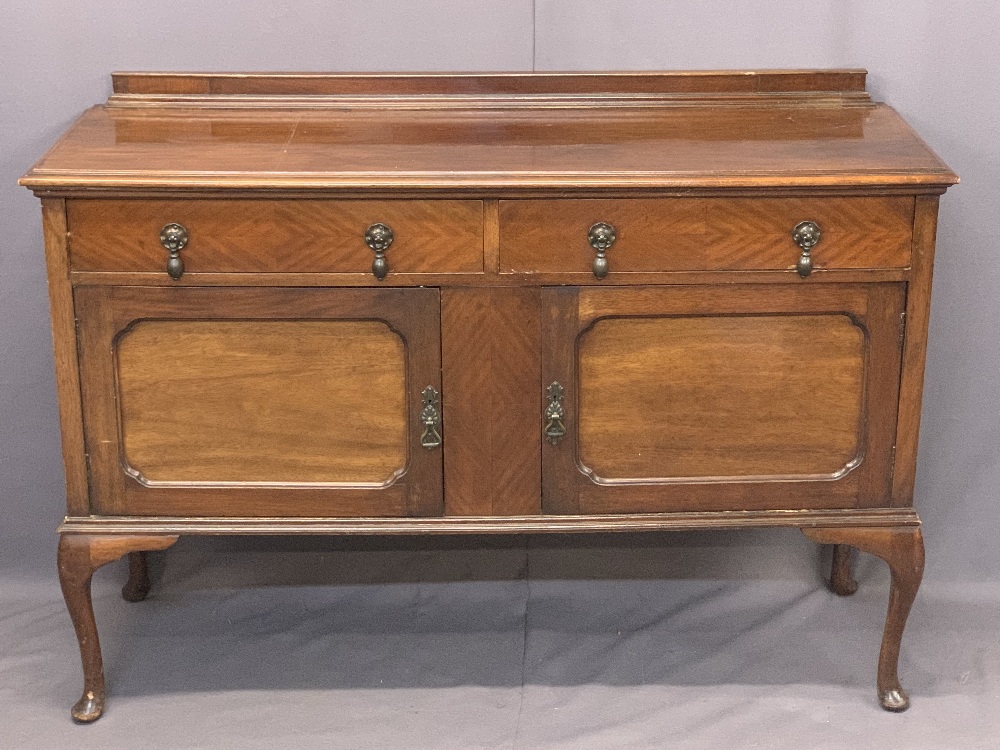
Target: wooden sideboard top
{"type": "Point", "coordinates": [489, 133]}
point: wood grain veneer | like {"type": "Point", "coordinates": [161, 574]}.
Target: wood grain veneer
{"type": "Point", "coordinates": [703, 133]}
{"type": "Point", "coordinates": [262, 401]}
{"type": "Point", "coordinates": [247, 236]}
{"type": "Point", "coordinates": [704, 234]}
{"type": "Point", "coordinates": [735, 397]}
{"type": "Point", "coordinates": [491, 344]}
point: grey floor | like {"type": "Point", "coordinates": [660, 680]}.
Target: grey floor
{"type": "Point", "coordinates": [649, 641]}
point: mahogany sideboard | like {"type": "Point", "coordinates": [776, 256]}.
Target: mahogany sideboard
{"type": "Point", "coordinates": [512, 303]}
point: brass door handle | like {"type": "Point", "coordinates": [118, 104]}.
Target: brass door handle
{"type": "Point", "coordinates": [806, 235]}
{"type": "Point", "coordinates": [430, 418]}
{"type": "Point", "coordinates": [174, 237]}
{"type": "Point", "coordinates": [601, 237]}
{"type": "Point", "coordinates": [378, 237]}
{"type": "Point", "coordinates": [555, 413]}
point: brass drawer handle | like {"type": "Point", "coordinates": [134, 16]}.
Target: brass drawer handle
{"type": "Point", "coordinates": [806, 235]}
{"type": "Point", "coordinates": [601, 237]}
{"type": "Point", "coordinates": [174, 237]}
{"type": "Point", "coordinates": [555, 413]}
{"type": "Point", "coordinates": [378, 237]}
{"type": "Point", "coordinates": [430, 418]}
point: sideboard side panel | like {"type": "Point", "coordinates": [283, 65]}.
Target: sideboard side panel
{"type": "Point", "coordinates": [65, 352]}
{"type": "Point", "coordinates": [918, 308]}
{"type": "Point", "coordinates": [885, 328]}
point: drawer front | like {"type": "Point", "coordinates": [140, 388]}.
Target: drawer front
{"type": "Point", "coordinates": [276, 236]}
{"type": "Point", "coordinates": [704, 234]}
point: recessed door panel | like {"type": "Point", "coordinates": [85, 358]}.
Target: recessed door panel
{"type": "Point", "coordinates": [263, 401]}
{"type": "Point", "coordinates": [729, 396]}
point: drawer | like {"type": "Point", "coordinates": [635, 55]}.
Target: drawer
{"type": "Point", "coordinates": [710, 234]}
{"type": "Point", "coordinates": [276, 236]}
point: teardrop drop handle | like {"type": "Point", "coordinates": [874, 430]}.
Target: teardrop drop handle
{"type": "Point", "coordinates": [174, 238]}
{"type": "Point", "coordinates": [378, 237]}
{"type": "Point", "coordinates": [806, 235]}
{"type": "Point", "coordinates": [601, 237]}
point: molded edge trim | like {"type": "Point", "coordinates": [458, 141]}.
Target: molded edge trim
{"type": "Point", "coordinates": [492, 525]}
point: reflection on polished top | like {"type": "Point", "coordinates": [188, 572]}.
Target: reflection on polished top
{"type": "Point", "coordinates": [581, 131]}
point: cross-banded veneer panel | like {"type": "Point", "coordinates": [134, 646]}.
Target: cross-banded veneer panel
{"type": "Point", "coordinates": [491, 352]}
{"type": "Point", "coordinates": [709, 234]}
{"type": "Point", "coordinates": [272, 236]}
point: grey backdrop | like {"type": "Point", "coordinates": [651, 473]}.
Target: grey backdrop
{"type": "Point", "coordinates": [937, 63]}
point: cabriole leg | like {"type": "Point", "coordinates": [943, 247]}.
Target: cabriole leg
{"type": "Point", "coordinates": [902, 548]}
{"type": "Point", "coordinates": [842, 580]}
{"type": "Point", "coordinates": [136, 588]}
{"type": "Point", "coordinates": [79, 556]}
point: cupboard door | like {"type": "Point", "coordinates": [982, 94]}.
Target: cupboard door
{"type": "Point", "coordinates": [260, 402]}
{"type": "Point", "coordinates": [720, 398]}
